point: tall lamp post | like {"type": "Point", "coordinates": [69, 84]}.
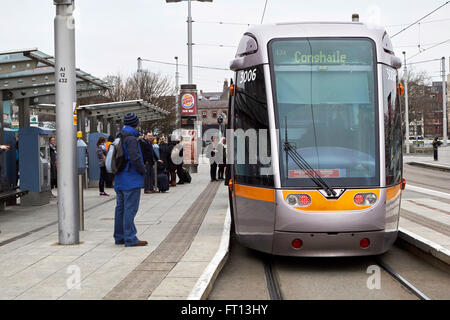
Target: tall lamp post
{"type": "Point", "coordinates": [177, 96]}
{"type": "Point", "coordinates": [66, 99]}
{"type": "Point", "coordinates": [406, 105]}
{"type": "Point", "coordinates": [189, 22]}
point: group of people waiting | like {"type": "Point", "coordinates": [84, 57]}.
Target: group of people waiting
{"type": "Point", "coordinates": [156, 155]}
{"type": "Point", "coordinates": [221, 166]}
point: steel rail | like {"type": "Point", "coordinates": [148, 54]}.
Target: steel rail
{"type": "Point", "coordinates": [273, 284]}
{"type": "Point", "coordinates": [402, 280]}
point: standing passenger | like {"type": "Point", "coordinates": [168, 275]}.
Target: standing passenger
{"type": "Point", "coordinates": [436, 145]}
{"type": "Point", "coordinates": [128, 184]}
{"type": "Point", "coordinates": [212, 161]}
{"type": "Point", "coordinates": [156, 148]}
{"type": "Point", "coordinates": [101, 154]}
{"type": "Point", "coordinates": [149, 160]}
{"type": "Point", "coordinates": [172, 166]}
{"type": "Point", "coordinates": [53, 164]}
{"type": "Point", "coordinates": [223, 147]}
{"type": "Point", "coordinates": [164, 154]}
{"type": "Point", "coordinates": [109, 176]}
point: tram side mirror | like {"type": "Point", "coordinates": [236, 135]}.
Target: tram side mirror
{"type": "Point", "coordinates": [237, 64]}
{"type": "Point", "coordinates": [396, 62]}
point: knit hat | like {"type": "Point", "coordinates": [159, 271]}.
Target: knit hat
{"type": "Point", "coordinates": [131, 120]}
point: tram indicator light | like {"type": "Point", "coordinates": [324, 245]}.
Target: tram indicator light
{"type": "Point", "coordinates": [232, 90]}
{"type": "Point", "coordinates": [304, 200]}
{"type": "Point", "coordinates": [359, 199]}
{"type": "Point", "coordinates": [400, 89]}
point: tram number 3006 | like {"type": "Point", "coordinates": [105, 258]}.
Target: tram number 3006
{"type": "Point", "coordinates": [247, 76]}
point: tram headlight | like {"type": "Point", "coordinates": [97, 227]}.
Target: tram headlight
{"type": "Point", "coordinates": [365, 199]}
{"type": "Point", "coordinates": [291, 199]}
{"type": "Point", "coordinates": [371, 198]}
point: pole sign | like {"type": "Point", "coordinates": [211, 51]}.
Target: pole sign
{"type": "Point", "coordinates": [188, 101]}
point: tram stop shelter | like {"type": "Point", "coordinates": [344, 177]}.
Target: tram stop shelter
{"type": "Point", "coordinates": [105, 119]}
{"type": "Point", "coordinates": [28, 77]}
{"type": "Point", "coordinates": [108, 117]}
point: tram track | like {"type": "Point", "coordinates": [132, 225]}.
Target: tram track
{"type": "Point", "coordinates": [273, 281]}
{"type": "Point", "coordinates": [403, 275]}
{"type": "Point", "coordinates": [386, 267]}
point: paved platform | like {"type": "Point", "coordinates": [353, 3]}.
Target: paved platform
{"type": "Point", "coordinates": [425, 220]}
{"type": "Point", "coordinates": [184, 228]}
{"type": "Point", "coordinates": [427, 160]}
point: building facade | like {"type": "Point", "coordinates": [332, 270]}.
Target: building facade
{"type": "Point", "coordinates": [211, 105]}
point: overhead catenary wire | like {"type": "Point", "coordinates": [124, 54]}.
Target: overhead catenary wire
{"type": "Point", "coordinates": [226, 23]}
{"type": "Point", "coordinates": [215, 45]}
{"type": "Point", "coordinates": [432, 47]}
{"type": "Point", "coordinates": [424, 22]}
{"type": "Point", "coordinates": [264, 12]}
{"type": "Point", "coordinates": [415, 22]}
{"type": "Point", "coordinates": [184, 65]}
{"type": "Point", "coordinates": [423, 61]}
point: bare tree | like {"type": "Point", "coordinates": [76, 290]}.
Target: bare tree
{"type": "Point", "coordinates": [424, 101]}
{"type": "Point", "coordinates": [151, 87]}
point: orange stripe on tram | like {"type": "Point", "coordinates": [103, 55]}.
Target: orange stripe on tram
{"type": "Point", "coordinates": [254, 193]}
{"type": "Point", "coordinates": [393, 192]}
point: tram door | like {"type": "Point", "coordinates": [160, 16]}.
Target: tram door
{"type": "Point", "coordinates": [252, 167]}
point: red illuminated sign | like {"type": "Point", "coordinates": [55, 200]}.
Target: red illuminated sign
{"type": "Point", "coordinates": [188, 101]}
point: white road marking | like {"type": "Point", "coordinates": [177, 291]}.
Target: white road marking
{"type": "Point", "coordinates": [434, 215]}
{"type": "Point", "coordinates": [428, 191]}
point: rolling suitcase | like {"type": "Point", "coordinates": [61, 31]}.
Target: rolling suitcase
{"type": "Point", "coordinates": [186, 175]}
{"type": "Point", "coordinates": [163, 182]}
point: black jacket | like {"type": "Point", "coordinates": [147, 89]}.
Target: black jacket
{"type": "Point", "coordinates": [164, 154]}
{"type": "Point", "coordinates": [147, 152]}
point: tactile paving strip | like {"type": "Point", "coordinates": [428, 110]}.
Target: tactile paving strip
{"type": "Point", "coordinates": [146, 277]}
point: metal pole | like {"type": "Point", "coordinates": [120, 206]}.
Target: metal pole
{"type": "Point", "coordinates": [81, 201]}
{"type": "Point", "coordinates": [68, 206]}
{"type": "Point", "coordinates": [139, 69]}
{"type": "Point", "coordinates": [405, 77]}
{"type": "Point", "coordinates": [189, 43]}
{"type": "Point", "coordinates": [444, 103]}
{"type": "Point", "coordinates": [177, 95]}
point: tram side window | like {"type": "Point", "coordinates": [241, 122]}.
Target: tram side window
{"type": "Point", "coordinates": [392, 127]}
{"type": "Point", "coordinates": [251, 116]}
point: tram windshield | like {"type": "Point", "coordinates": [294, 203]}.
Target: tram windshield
{"type": "Point", "coordinates": [325, 102]}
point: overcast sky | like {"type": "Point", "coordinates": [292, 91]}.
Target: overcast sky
{"type": "Point", "coordinates": [112, 34]}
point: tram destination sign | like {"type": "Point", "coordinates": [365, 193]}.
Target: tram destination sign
{"type": "Point", "coordinates": [322, 52]}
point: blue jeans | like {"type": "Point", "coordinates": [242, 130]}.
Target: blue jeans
{"type": "Point", "coordinates": [127, 205]}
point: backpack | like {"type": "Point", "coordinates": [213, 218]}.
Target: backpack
{"type": "Point", "coordinates": [115, 158]}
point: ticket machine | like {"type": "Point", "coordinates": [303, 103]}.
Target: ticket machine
{"type": "Point", "coordinates": [34, 165]}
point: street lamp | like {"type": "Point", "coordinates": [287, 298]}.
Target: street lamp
{"type": "Point", "coordinates": [189, 21]}
{"type": "Point", "coordinates": [177, 96]}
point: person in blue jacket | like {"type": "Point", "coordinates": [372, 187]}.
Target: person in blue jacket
{"type": "Point", "coordinates": [128, 184]}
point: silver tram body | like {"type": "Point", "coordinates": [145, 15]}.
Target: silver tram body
{"type": "Point", "coordinates": [331, 91]}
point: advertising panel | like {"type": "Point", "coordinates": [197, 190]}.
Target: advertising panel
{"type": "Point", "coordinates": [188, 101]}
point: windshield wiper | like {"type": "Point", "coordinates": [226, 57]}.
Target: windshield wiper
{"type": "Point", "coordinates": [305, 166]}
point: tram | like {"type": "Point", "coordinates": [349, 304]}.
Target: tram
{"type": "Point", "coordinates": [325, 176]}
